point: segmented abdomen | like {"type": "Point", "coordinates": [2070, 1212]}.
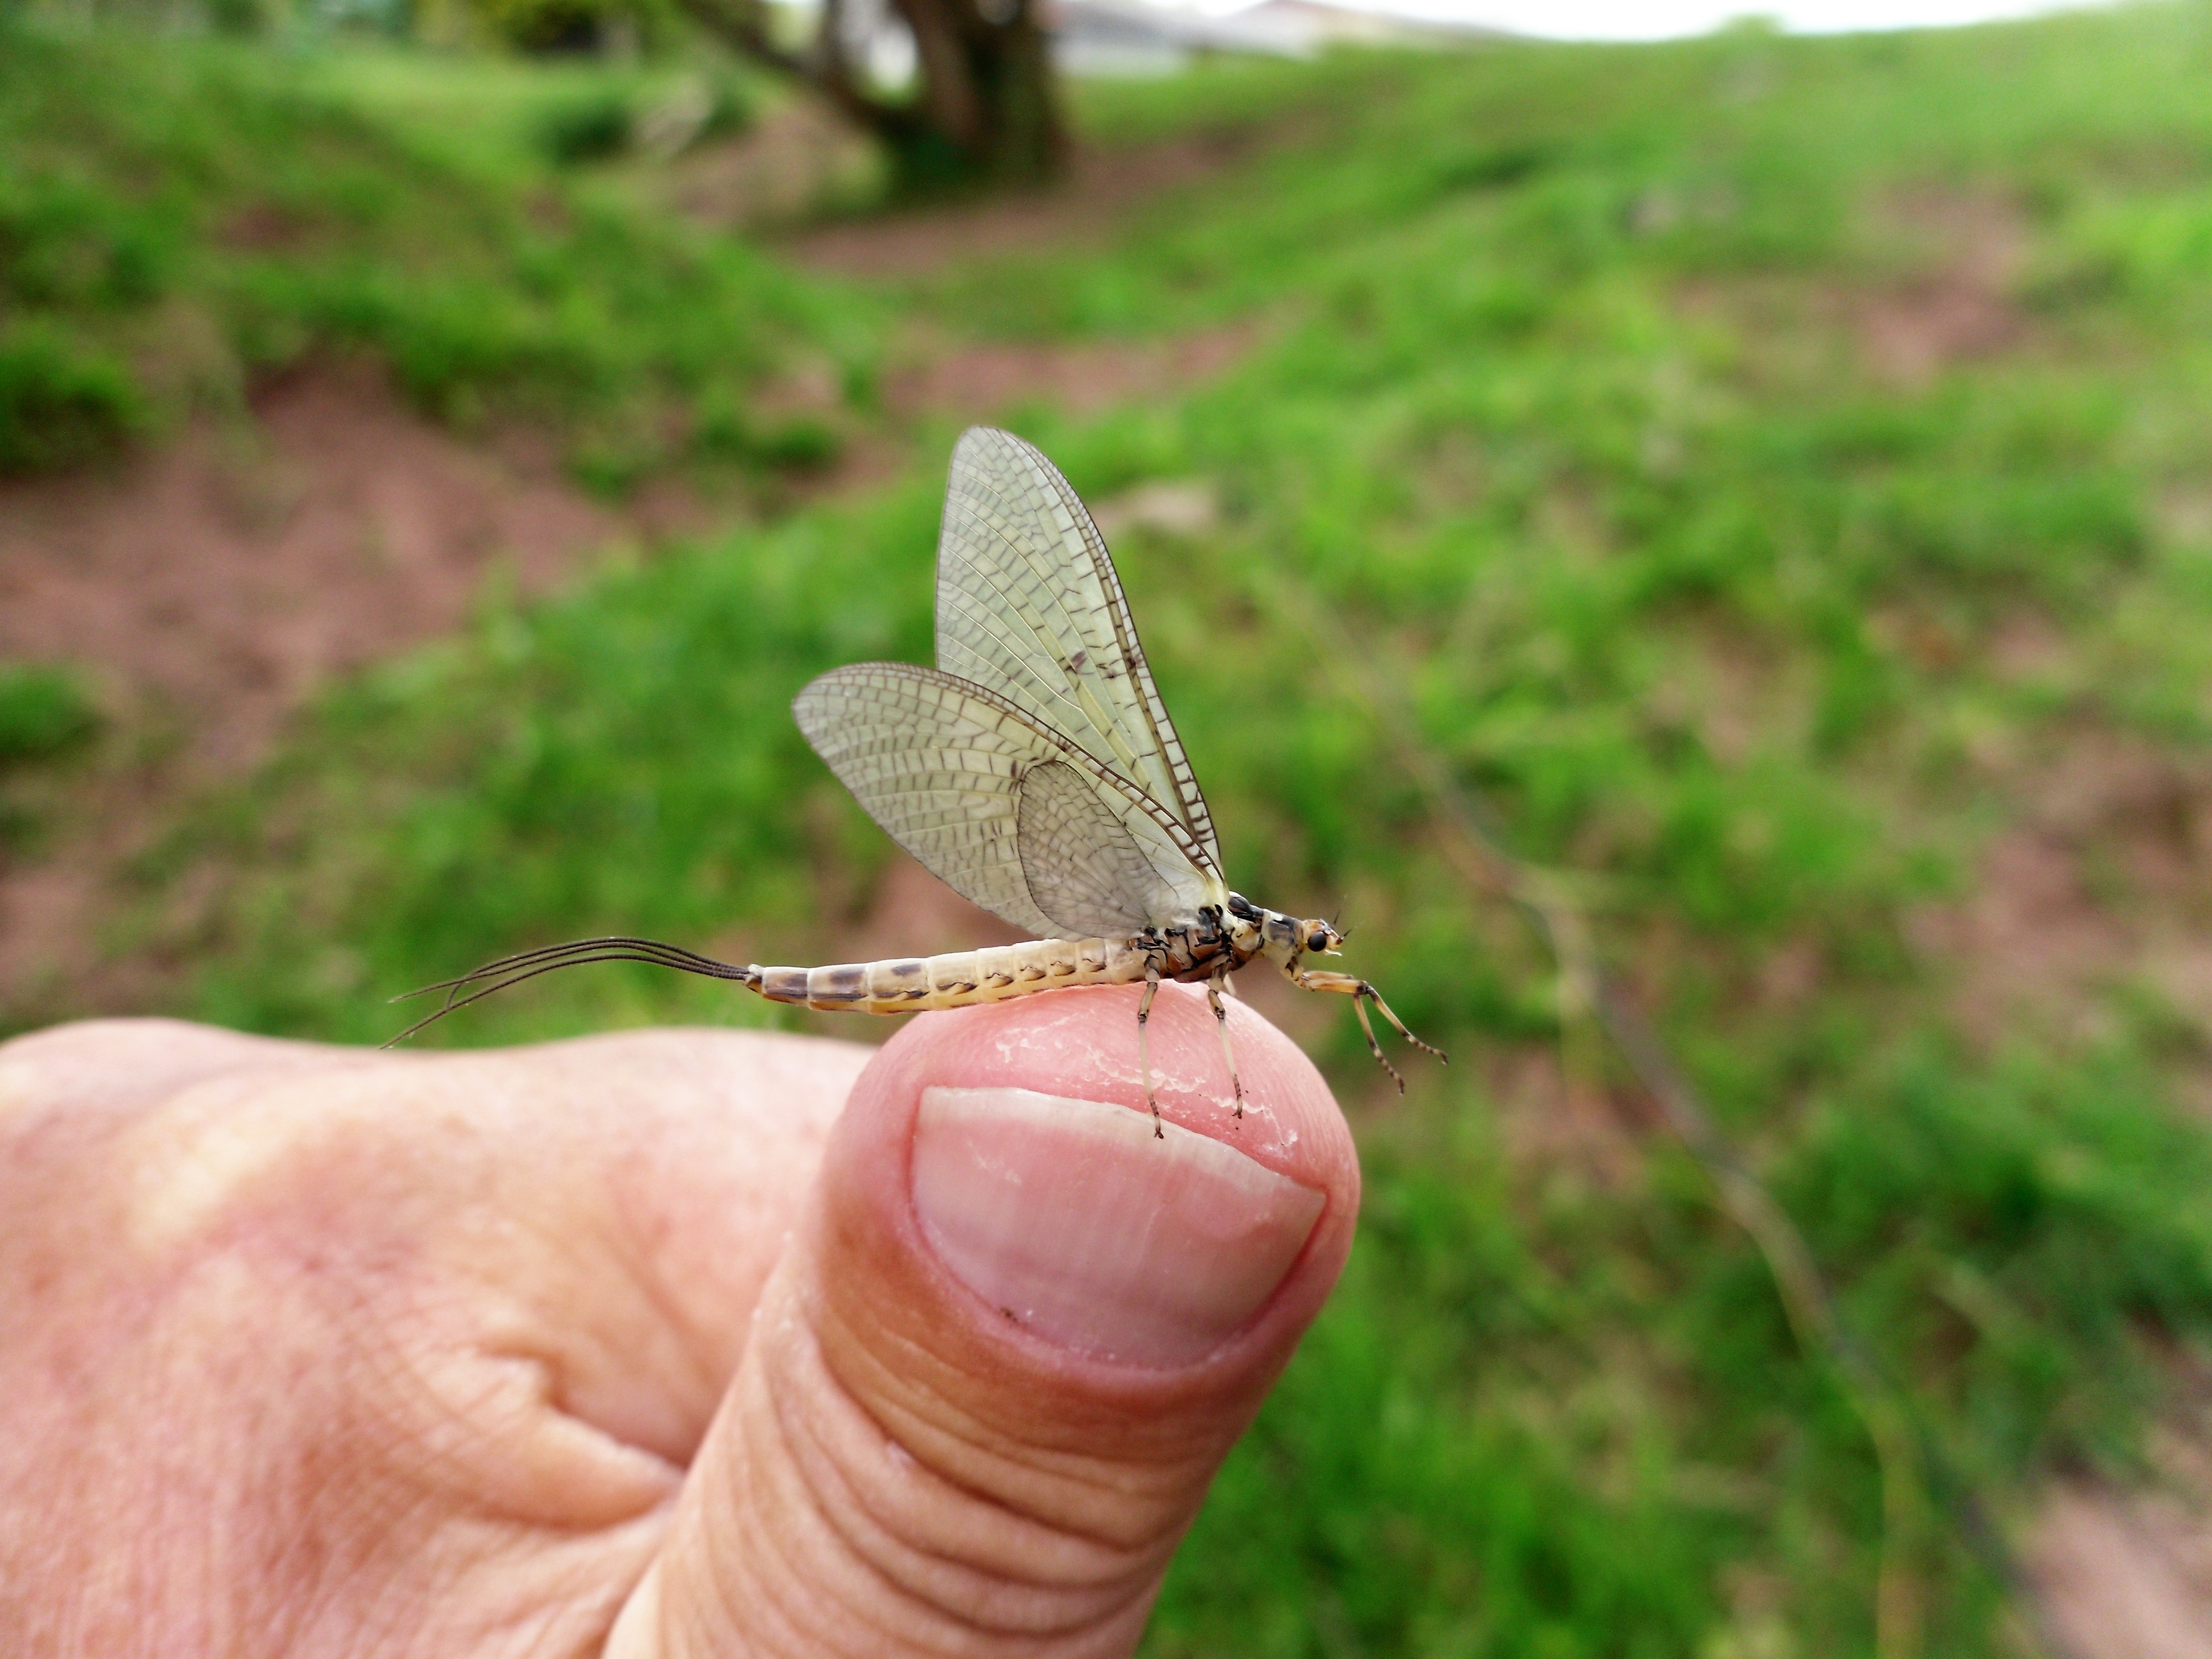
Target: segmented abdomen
{"type": "Point", "coordinates": [910, 984]}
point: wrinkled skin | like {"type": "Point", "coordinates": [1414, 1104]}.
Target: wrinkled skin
{"type": "Point", "coordinates": [633, 1344]}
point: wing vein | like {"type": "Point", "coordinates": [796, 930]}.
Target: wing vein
{"type": "Point", "coordinates": [1028, 603]}
{"type": "Point", "coordinates": [1012, 815]}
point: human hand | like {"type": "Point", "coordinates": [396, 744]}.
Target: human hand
{"type": "Point", "coordinates": [635, 1345]}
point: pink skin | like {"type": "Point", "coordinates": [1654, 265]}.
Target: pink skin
{"type": "Point", "coordinates": [632, 1345]}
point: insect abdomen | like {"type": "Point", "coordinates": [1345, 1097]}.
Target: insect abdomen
{"type": "Point", "coordinates": [906, 985]}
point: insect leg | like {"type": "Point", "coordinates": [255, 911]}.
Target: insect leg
{"type": "Point", "coordinates": [1375, 997]}
{"type": "Point", "coordinates": [1367, 1030]}
{"type": "Point", "coordinates": [1362, 993]}
{"type": "Point", "coordinates": [1143, 1046]}
{"type": "Point", "coordinates": [1214, 990]}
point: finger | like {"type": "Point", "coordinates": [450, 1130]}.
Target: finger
{"type": "Point", "coordinates": [988, 1384]}
{"type": "Point", "coordinates": [118, 1067]}
{"type": "Point", "coordinates": [329, 1344]}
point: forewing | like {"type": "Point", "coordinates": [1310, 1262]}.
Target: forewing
{"type": "Point", "coordinates": [1029, 606]}
{"type": "Point", "coordinates": [942, 765]}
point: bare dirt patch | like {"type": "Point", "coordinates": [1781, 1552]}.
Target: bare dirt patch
{"type": "Point", "coordinates": [209, 587]}
{"type": "Point", "coordinates": [2128, 1575]}
{"type": "Point", "coordinates": [2124, 1576]}
{"type": "Point", "coordinates": [1102, 186]}
{"type": "Point", "coordinates": [2104, 880]}
{"type": "Point", "coordinates": [1961, 307]}
{"type": "Point", "coordinates": [1952, 300]}
{"type": "Point", "coordinates": [220, 579]}
{"type": "Point", "coordinates": [983, 380]}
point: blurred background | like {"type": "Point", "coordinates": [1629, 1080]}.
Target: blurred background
{"type": "Point", "coordinates": [1702, 547]}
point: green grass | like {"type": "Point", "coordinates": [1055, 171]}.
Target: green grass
{"type": "Point", "coordinates": [177, 224]}
{"type": "Point", "coordinates": [494, 116]}
{"type": "Point", "coordinates": [43, 713]}
{"type": "Point", "coordinates": [1560, 413]}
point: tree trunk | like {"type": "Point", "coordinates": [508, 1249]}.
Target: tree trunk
{"type": "Point", "coordinates": [985, 108]}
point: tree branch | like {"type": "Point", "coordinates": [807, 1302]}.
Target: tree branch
{"type": "Point", "coordinates": [984, 108]}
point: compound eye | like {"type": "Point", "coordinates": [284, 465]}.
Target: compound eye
{"type": "Point", "coordinates": [1317, 940]}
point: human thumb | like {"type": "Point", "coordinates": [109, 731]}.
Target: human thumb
{"type": "Point", "coordinates": [1011, 1340]}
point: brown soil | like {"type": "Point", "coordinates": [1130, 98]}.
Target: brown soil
{"type": "Point", "coordinates": [1102, 188]}
{"type": "Point", "coordinates": [220, 579]}
{"type": "Point", "coordinates": [2124, 1576]}
{"type": "Point", "coordinates": [986, 381]}
{"type": "Point", "coordinates": [2104, 880]}
{"type": "Point", "coordinates": [2128, 1575]}
{"type": "Point", "coordinates": [1954, 302]}
{"type": "Point", "coordinates": [210, 587]}
{"type": "Point", "coordinates": [1961, 306]}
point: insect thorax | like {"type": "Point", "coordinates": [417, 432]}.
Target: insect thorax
{"type": "Point", "coordinates": [1198, 951]}
{"type": "Point", "coordinates": [1253, 930]}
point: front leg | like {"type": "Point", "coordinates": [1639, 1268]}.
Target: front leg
{"type": "Point", "coordinates": [1361, 993]}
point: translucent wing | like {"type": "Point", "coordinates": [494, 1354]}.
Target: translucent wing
{"type": "Point", "coordinates": [1013, 816]}
{"type": "Point", "coordinates": [1084, 868]}
{"type": "Point", "coordinates": [1028, 606]}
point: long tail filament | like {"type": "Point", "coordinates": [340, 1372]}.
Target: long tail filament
{"type": "Point", "coordinates": [480, 982]}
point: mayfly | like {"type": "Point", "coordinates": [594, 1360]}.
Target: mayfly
{"type": "Point", "coordinates": [1036, 772]}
